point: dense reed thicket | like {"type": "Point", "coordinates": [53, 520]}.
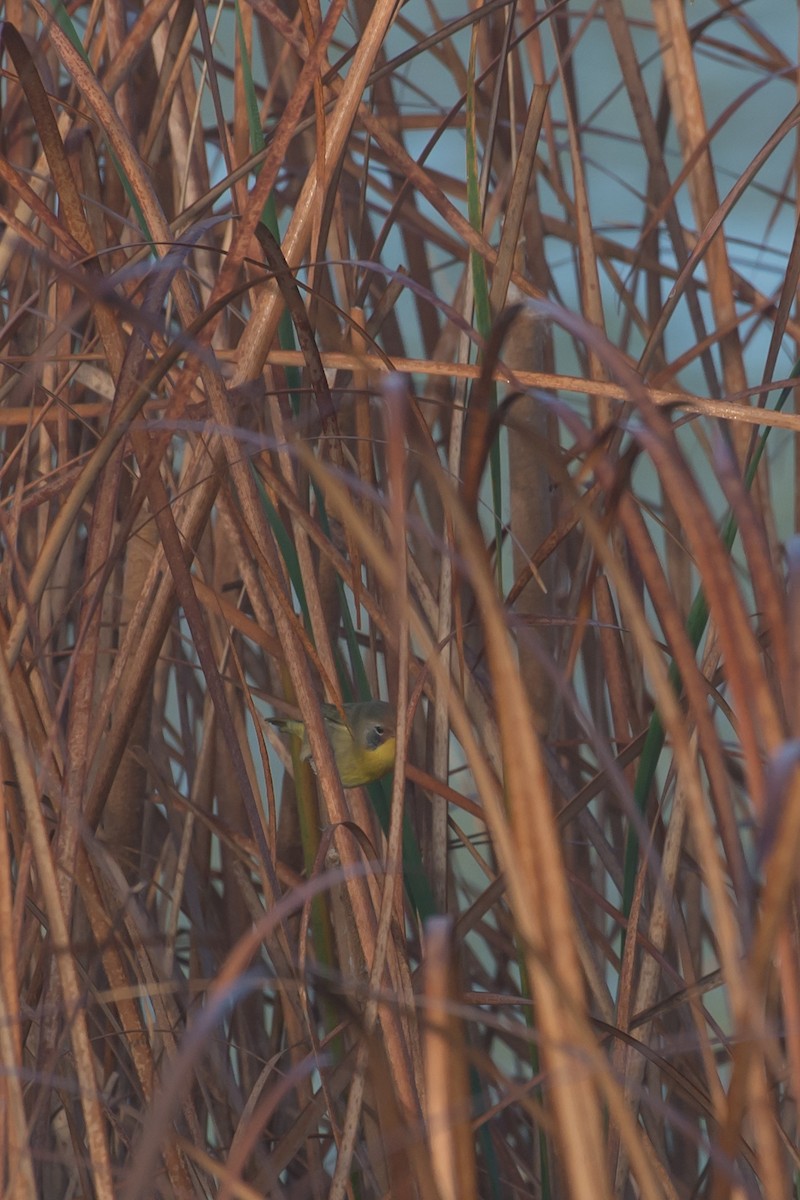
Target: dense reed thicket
{"type": "Point", "coordinates": [447, 357]}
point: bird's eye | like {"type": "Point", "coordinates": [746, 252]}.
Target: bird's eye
{"type": "Point", "coordinates": [379, 730]}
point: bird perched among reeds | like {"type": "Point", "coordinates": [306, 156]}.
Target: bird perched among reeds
{"type": "Point", "coordinates": [363, 743]}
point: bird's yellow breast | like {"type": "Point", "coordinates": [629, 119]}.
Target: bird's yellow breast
{"type": "Point", "coordinates": [358, 765]}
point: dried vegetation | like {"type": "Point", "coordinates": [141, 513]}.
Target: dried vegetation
{"type": "Point", "coordinates": [375, 350]}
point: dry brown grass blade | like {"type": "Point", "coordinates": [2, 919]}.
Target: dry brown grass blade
{"type": "Point", "coordinates": [294, 303]}
{"type": "Point", "coordinates": [508, 250]}
{"type": "Point", "coordinates": [482, 423]}
{"type": "Point", "coordinates": [15, 1133]}
{"type": "Point", "coordinates": [96, 1126]}
{"type": "Point", "coordinates": [396, 403]}
{"type": "Point", "coordinates": [689, 112]}
{"type": "Point", "coordinates": [529, 851]}
{"type": "Point", "coordinates": [447, 1095]}
{"type": "Point", "coordinates": [262, 325]}
{"type": "Point", "coordinates": [729, 411]}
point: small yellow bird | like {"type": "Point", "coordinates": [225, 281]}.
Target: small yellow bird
{"type": "Point", "coordinates": [364, 745]}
